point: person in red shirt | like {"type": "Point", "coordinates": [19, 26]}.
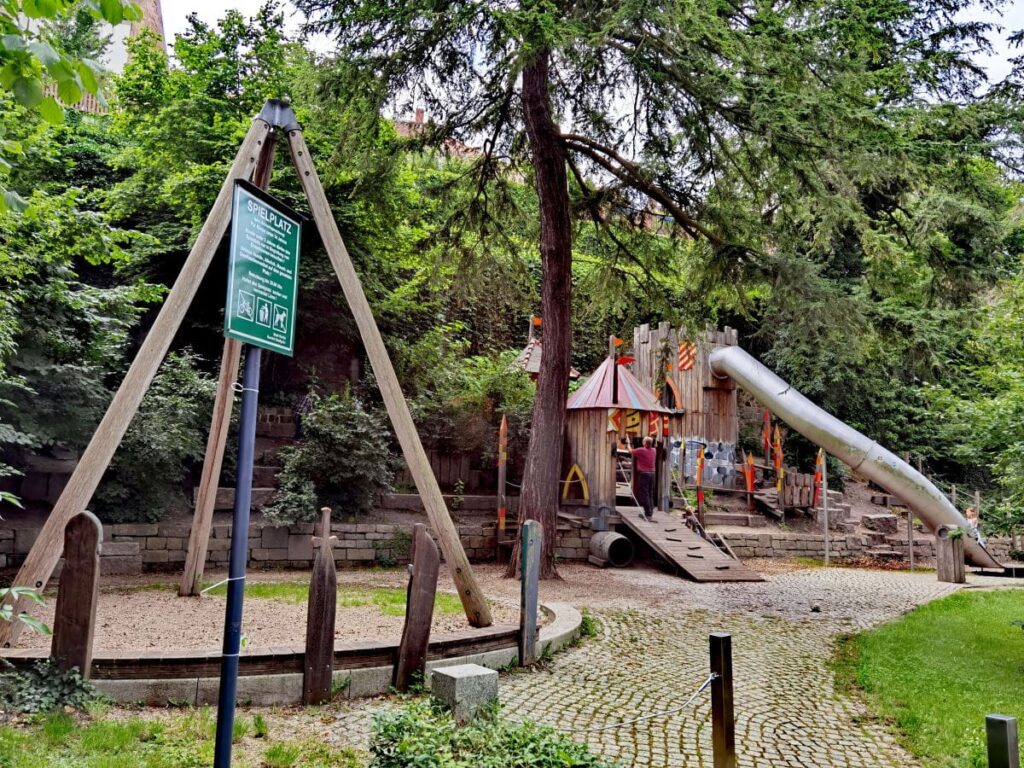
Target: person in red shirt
{"type": "Point", "coordinates": [645, 465]}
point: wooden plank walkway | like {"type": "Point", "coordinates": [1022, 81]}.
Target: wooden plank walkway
{"type": "Point", "coordinates": [680, 547]}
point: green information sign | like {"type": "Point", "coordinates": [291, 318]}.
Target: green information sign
{"type": "Point", "coordinates": [263, 270]}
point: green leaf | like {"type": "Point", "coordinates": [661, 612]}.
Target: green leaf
{"type": "Point", "coordinates": [12, 42]}
{"type": "Point", "coordinates": [112, 11]}
{"type": "Point", "coordinates": [51, 111]}
{"type": "Point", "coordinates": [44, 52]}
{"type": "Point", "coordinates": [87, 76]}
{"type": "Point", "coordinates": [28, 91]}
{"type": "Point", "coordinates": [8, 75]}
{"type": "Point", "coordinates": [33, 623]}
{"type": "Point", "coordinates": [69, 92]}
{"type": "Point", "coordinates": [61, 70]}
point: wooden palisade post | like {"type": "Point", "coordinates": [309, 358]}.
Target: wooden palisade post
{"type": "Point", "coordinates": [1003, 741]}
{"type": "Point", "coordinates": [45, 553]}
{"type": "Point", "coordinates": [477, 610]}
{"type": "Point", "coordinates": [320, 613]}
{"type": "Point", "coordinates": [531, 533]}
{"type": "Point", "coordinates": [419, 609]}
{"type": "Point", "coordinates": [75, 619]}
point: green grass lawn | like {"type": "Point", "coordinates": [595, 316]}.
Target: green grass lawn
{"type": "Point", "coordinates": [389, 600]}
{"type": "Point", "coordinates": [181, 741]}
{"type": "Point", "coordinates": [936, 673]}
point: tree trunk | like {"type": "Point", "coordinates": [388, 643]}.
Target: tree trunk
{"type": "Point", "coordinates": [542, 476]}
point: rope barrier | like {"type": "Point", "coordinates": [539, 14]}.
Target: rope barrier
{"type": "Point", "coordinates": [222, 583]}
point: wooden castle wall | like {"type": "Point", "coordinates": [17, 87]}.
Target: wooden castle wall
{"type": "Point", "coordinates": [709, 403]}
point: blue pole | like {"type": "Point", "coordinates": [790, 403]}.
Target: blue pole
{"type": "Point", "coordinates": [236, 565]}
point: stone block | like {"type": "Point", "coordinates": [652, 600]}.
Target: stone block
{"type": "Point", "coordinates": [176, 543]}
{"type": "Point", "coordinates": [881, 523]}
{"type": "Point", "coordinates": [175, 530]}
{"type": "Point", "coordinates": [154, 556]}
{"type": "Point", "coordinates": [465, 689]}
{"type": "Point", "coordinates": [133, 529]}
{"type": "Point", "coordinates": [274, 537]}
{"type": "Point", "coordinates": [7, 533]}
{"type": "Point", "coordinates": [300, 547]}
{"type": "Point", "coordinates": [121, 565]}
{"type": "Point", "coordinates": [119, 548]}
{"type": "Point", "coordinates": [218, 545]}
{"type": "Point", "coordinates": [359, 554]}
{"type": "Point", "coordinates": [223, 532]}
{"type": "Point", "coordinates": [156, 542]}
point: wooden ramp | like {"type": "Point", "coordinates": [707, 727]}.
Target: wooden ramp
{"type": "Point", "coordinates": [700, 560]}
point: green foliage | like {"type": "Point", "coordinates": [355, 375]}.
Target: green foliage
{"type": "Point", "coordinates": [32, 56]}
{"type": "Point", "coordinates": [590, 627]}
{"type": "Point", "coordinates": [260, 729]}
{"type": "Point", "coordinates": [938, 671]}
{"type": "Point", "coordinates": [423, 733]}
{"type": "Point", "coordinates": [166, 436]}
{"type": "Point", "coordinates": [343, 462]}
{"type": "Point", "coordinates": [44, 687]}
{"type": "Point", "coordinates": [23, 617]}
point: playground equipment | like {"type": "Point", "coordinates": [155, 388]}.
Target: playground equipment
{"type": "Point", "coordinates": [861, 453]}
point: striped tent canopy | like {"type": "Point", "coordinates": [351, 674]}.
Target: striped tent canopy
{"type": "Point", "coordinates": [596, 392]}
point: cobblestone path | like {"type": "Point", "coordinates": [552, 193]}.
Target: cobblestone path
{"type": "Point", "coordinates": [652, 658]}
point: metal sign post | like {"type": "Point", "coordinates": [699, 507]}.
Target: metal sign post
{"type": "Point", "coordinates": [260, 309]}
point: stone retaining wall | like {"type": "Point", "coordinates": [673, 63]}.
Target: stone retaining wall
{"type": "Point", "coordinates": [848, 546]}
{"type": "Point", "coordinates": [130, 548]}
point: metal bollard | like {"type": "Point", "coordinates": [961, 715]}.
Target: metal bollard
{"type": "Point", "coordinates": [1003, 746]}
{"type": "Point", "coordinates": [723, 723]}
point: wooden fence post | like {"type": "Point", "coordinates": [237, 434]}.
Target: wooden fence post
{"type": "Point", "coordinates": [318, 670]}
{"type": "Point", "coordinates": [1003, 745]}
{"type": "Point", "coordinates": [529, 586]}
{"type": "Point", "coordinates": [949, 555]}
{"type": "Point", "coordinates": [75, 617]}
{"type": "Point", "coordinates": [419, 609]}
{"type": "Point", "coordinates": [723, 725]}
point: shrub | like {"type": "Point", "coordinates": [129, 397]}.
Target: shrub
{"type": "Point", "coordinates": [343, 461]}
{"type": "Point", "coordinates": [44, 687]}
{"type": "Point", "coordinates": [147, 475]}
{"type": "Point", "coordinates": [424, 733]}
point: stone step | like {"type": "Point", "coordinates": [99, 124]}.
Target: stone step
{"type": "Point", "coordinates": [847, 526]}
{"type": "Point", "coordinates": [726, 518]}
{"type": "Point", "coordinates": [873, 539]}
{"type": "Point", "coordinates": [265, 476]}
{"type": "Point", "coordinates": [883, 553]}
{"type": "Point", "coordinates": [275, 429]}
{"type": "Point", "coordinates": [900, 540]}
{"type": "Point", "coordinates": [882, 523]}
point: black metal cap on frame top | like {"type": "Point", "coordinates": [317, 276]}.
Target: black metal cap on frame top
{"type": "Point", "coordinates": [279, 113]}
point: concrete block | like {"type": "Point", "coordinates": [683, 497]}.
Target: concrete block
{"type": "Point", "coordinates": [156, 542]}
{"type": "Point", "coordinates": [121, 565]}
{"type": "Point", "coordinates": [222, 531]}
{"type": "Point", "coordinates": [274, 537]}
{"type": "Point", "coordinates": [359, 554]}
{"type": "Point", "coordinates": [154, 556]}
{"type": "Point", "coordinates": [176, 530]}
{"type": "Point", "coordinates": [465, 689]}
{"type": "Point", "coordinates": [176, 543]}
{"type": "Point", "coordinates": [119, 548]}
{"type": "Point", "coordinates": [176, 556]}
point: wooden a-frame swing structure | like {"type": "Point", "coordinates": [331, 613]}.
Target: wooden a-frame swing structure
{"type": "Point", "coordinates": [254, 161]}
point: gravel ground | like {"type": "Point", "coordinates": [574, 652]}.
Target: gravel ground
{"type": "Point", "coordinates": [135, 614]}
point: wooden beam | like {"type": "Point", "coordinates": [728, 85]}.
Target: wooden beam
{"type": "Point", "coordinates": [529, 574]}
{"type": "Point", "coordinates": [75, 617]}
{"type": "Point", "coordinates": [473, 602]}
{"type": "Point", "coordinates": [220, 424]}
{"type": "Point", "coordinates": [318, 670]}
{"type": "Point", "coordinates": [45, 553]}
{"type": "Point", "coordinates": [419, 610]}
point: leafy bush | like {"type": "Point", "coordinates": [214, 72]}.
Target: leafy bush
{"type": "Point", "coordinates": [424, 733]}
{"type": "Point", "coordinates": [167, 434]}
{"type": "Point", "coordinates": [44, 687]}
{"type": "Point", "coordinates": [343, 462]}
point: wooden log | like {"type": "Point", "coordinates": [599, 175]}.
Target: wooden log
{"type": "Point", "coordinates": [318, 668]}
{"type": "Point", "coordinates": [45, 553]}
{"type": "Point", "coordinates": [949, 555]}
{"type": "Point", "coordinates": [220, 425]}
{"type": "Point", "coordinates": [74, 620]}
{"type": "Point", "coordinates": [529, 587]}
{"type": "Point", "coordinates": [473, 602]}
{"type": "Point", "coordinates": [419, 610]}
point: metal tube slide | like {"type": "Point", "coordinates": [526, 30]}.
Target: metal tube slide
{"type": "Point", "coordinates": [860, 452]}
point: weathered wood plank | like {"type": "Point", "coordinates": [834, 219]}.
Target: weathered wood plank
{"type": "Point", "coordinates": [320, 614]}
{"type": "Point", "coordinates": [477, 610]}
{"type": "Point", "coordinates": [75, 618]}
{"type": "Point", "coordinates": [419, 610]}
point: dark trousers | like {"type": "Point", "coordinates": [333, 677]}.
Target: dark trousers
{"type": "Point", "coordinates": [645, 491]}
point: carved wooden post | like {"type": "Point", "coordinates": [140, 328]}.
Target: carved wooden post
{"type": "Point", "coordinates": [323, 596]}
{"type": "Point", "coordinates": [529, 586]}
{"type": "Point", "coordinates": [75, 617]}
{"type": "Point", "coordinates": [949, 555]}
{"type": "Point", "coordinates": [419, 609]}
